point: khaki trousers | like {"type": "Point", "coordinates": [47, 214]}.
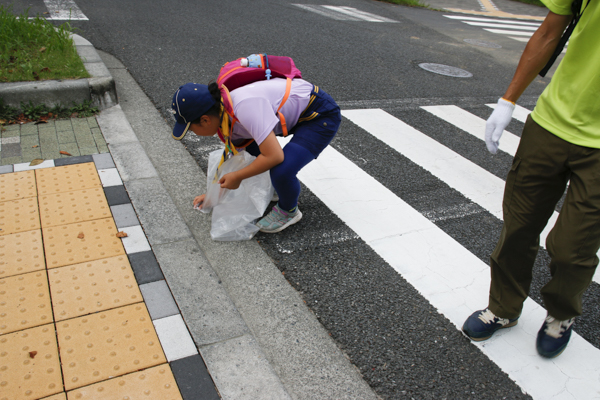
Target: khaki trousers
{"type": "Point", "coordinates": [542, 166]}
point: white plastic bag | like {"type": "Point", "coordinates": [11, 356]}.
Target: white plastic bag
{"type": "Point", "coordinates": [234, 212]}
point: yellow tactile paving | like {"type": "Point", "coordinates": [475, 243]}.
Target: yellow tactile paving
{"type": "Point", "coordinates": [111, 343]}
{"type": "Point", "coordinates": [76, 243]}
{"type": "Point", "coordinates": [153, 383]}
{"type": "Point", "coordinates": [24, 302]}
{"type": "Point", "coordinates": [18, 185]}
{"type": "Point", "coordinates": [60, 396]}
{"type": "Point", "coordinates": [29, 364]}
{"type": "Point", "coordinates": [21, 253]}
{"type": "Point", "coordinates": [93, 286]}
{"type": "Point", "coordinates": [19, 216]}
{"type": "Point", "coordinates": [77, 206]}
{"type": "Point", "coordinates": [67, 178]}
{"type": "Point", "coordinates": [109, 348]}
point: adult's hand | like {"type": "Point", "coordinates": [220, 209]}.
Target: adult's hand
{"type": "Point", "coordinates": [496, 124]}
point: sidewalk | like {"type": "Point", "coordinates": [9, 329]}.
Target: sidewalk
{"type": "Point", "coordinates": [160, 313]}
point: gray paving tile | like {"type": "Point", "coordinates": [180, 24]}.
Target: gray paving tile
{"type": "Point", "coordinates": [29, 129]}
{"type": "Point", "coordinates": [11, 160]}
{"type": "Point", "coordinates": [66, 136]}
{"type": "Point", "coordinates": [29, 141]}
{"type": "Point", "coordinates": [116, 195]}
{"type": "Point", "coordinates": [63, 125]}
{"type": "Point", "coordinates": [72, 160]}
{"type": "Point", "coordinates": [6, 169]}
{"type": "Point", "coordinates": [103, 161]}
{"type": "Point", "coordinates": [29, 155]}
{"type": "Point", "coordinates": [70, 148]}
{"type": "Point", "coordinates": [159, 299]}
{"type": "Point", "coordinates": [11, 150]}
{"type": "Point", "coordinates": [193, 379]}
{"type": "Point", "coordinates": [124, 215]}
{"type": "Point", "coordinates": [145, 267]}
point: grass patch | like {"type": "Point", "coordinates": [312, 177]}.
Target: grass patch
{"type": "Point", "coordinates": [34, 49]}
{"type": "Point", "coordinates": [30, 112]}
{"type": "Point", "coordinates": [410, 3]}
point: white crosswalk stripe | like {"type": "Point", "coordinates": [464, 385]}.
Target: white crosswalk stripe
{"type": "Point", "coordinates": [453, 280]}
{"type": "Point", "coordinates": [514, 29]}
{"type": "Point", "coordinates": [342, 13]}
{"type": "Point", "coordinates": [508, 143]}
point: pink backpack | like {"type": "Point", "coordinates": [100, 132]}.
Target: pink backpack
{"type": "Point", "coordinates": [240, 72]}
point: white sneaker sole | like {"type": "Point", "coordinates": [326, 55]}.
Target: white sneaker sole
{"type": "Point", "coordinates": [292, 221]}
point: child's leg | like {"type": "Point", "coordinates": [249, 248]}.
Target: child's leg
{"type": "Point", "coordinates": [283, 176]}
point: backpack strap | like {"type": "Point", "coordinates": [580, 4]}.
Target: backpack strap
{"type": "Point", "coordinates": [288, 89]}
{"type": "Point", "coordinates": [226, 126]}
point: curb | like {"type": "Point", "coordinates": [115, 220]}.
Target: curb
{"type": "Point", "coordinates": [100, 89]}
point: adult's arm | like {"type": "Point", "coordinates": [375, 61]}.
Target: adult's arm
{"type": "Point", "coordinates": [538, 51]}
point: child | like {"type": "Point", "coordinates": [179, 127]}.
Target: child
{"type": "Point", "coordinates": [312, 118]}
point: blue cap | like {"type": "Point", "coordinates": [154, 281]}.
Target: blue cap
{"type": "Point", "coordinates": [190, 102]}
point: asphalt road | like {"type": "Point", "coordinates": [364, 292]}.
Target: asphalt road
{"type": "Point", "coordinates": [400, 342]}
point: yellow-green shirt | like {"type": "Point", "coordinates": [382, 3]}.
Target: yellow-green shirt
{"type": "Point", "coordinates": [569, 107]}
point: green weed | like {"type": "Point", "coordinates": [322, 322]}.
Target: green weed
{"type": "Point", "coordinates": [34, 49]}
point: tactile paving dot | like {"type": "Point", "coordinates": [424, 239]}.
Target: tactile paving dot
{"type": "Point", "coordinates": [63, 246]}
{"type": "Point", "coordinates": [24, 302]}
{"type": "Point", "coordinates": [17, 185]}
{"type": "Point", "coordinates": [24, 377]}
{"type": "Point", "coordinates": [67, 178]}
{"type": "Point", "coordinates": [99, 346]}
{"type": "Point", "coordinates": [93, 286]}
{"type": "Point", "coordinates": [152, 383]}
{"type": "Point", "coordinates": [21, 253]}
{"type": "Point", "coordinates": [77, 206]}
{"type": "Point", "coordinates": [19, 216]}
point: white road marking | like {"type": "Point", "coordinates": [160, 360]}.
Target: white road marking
{"type": "Point", "coordinates": [450, 277]}
{"type": "Point", "coordinates": [506, 32]}
{"type": "Point", "coordinates": [503, 26]}
{"type": "Point", "coordinates": [498, 21]}
{"type": "Point", "coordinates": [508, 143]}
{"type": "Point", "coordinates": [342, 13]}
{"type": "Point", "coordinates": [64, 10]}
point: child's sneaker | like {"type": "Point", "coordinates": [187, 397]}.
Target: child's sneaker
{"type": "Point", "coordinates": [482, 324]}
{"type": "Point", "coordinates": [553, 337]}
{"type": "Point", "coordinates": [277, 220]}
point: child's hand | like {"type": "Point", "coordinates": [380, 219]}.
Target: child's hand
{"type": "Point", "coordinates": [199, 201]}
{"type": "Point", "coordinates": [230, 181]}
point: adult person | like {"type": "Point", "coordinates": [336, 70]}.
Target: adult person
{"type": "Point", "coordinates": [560, 143]}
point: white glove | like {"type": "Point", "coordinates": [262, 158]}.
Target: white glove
{"type": "Point", "coordinates": [496, 123]}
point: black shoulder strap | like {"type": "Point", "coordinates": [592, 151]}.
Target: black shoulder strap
{"type": "Point", "coordinates": [577, 12]}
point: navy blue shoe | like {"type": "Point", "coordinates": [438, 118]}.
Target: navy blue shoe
{"type": "Point", "coordinates": [482, 324]}
{"type": "Point", "coordinates": [553, 337]}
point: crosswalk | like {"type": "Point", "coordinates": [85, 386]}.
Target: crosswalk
{"type": "Point", "coordinates": [343, 13]}
{"type": "Point", "coordinates": [514, 29]}
{"type": "Point", "coordinates": [449, 276]}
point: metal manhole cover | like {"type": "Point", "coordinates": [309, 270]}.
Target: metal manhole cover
{"type": "Point", "coordinates": [446, 70]}
{"type": "Point", "coordinates": [483, 43]}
